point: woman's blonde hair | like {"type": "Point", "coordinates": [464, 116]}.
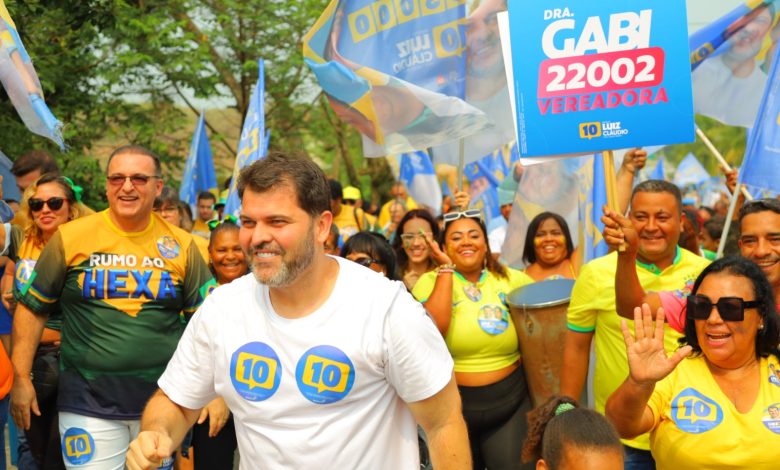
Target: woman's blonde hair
{"type": "Point", "coordinates": [75, 208]}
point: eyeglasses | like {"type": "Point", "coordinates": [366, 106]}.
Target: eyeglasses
{"type": "Point", "coordinates": [54, 203]}
{"type": "Point", "coordinates": [729, 308]}
{"type": "Point", "coordinates": [135, 180]}
{"type": "Point", "coordinates": [367, 262]}
{"type": "Point", "coordinates": [469, 214]}
{"type": "Point", "coordinates": [411, 237]}
{"type": "Point", "coordinates": [167, 209]}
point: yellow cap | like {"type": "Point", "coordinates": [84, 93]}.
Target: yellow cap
{"type": "Point", "coordinates": [351, 192]}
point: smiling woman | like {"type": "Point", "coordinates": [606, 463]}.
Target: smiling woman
{"type": "Point", "coordinates": [466, 296]}
{"type": "Point", "coordinates": [716, 408]}
{"type": "Point", "coordinates": [548, 248]}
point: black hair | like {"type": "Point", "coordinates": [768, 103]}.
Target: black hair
{"type": "Point", "coordinates": [35, 160]}
{"type": "Point", "coordinates": [551, 429]}
{"type": "Point", "coordinates": [714, 227]}
{"type": "Point", "coordinates": [768, 337]}
{"type": "Point", "coordinates": [224, 226]}
{"type": "Point", "coordinates": [374, 245]}
{"type": "Point", "coordinates": [759, 205]}
{"type": "Point", "coordinates": [397, 243]}
{"type": "Point", "coordinates": [278, 169]}
{"type": "Point", "coordinates": [139, 150]}
{"type": "Point", "coordinates": [336, 190]}
{"type": "Point", "coordinates": [658, 186]}
{"type": "Point", "coordinates": [203, 195]}
{"type": "Point", "coordinates": [168, 196]}
{"type": "Point", "coordinates": [529, 249]}
{"type": "Point", "coordinates": [491, 263]}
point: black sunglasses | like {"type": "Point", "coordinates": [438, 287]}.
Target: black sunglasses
{"type": "Point", "coordinates": [729, 308]}
{"type": "Point", "coordinates": [367, 262]}
{"type": "Point", "coordinates": [54, 203]}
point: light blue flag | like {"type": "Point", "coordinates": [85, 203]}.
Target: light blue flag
{"type": "Point", "coordinates": [658, 172]}
{"type": "Point", "coordinates": [761, 166]}
{"type": "Point", "coordinates": [199, 171]}
{"type": "Point", "coordinates": [484, 182]}
{"type": "Point", "coordinates": [18, 77]}
{"type": "Point", "coordinates": [419, 176]}
{"type": "Point", "coordinates": [593, 196]}
{"type": "Point", "coordinates": [690, 172]}
{"type": "Point", "coordinates": [253, 144]}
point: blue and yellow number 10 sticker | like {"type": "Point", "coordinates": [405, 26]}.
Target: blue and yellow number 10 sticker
{"type": "Point", "coordinates": [255, 371]}
{"type": "Point", "coordinates": [78, 447]}
{"type": "Point", "coordinates": [324, 375]}
{"type": "Point", "coordinates": [695, 413]}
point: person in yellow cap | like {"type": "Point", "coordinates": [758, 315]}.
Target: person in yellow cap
{"type": "Point", "coordinates": [398, 194]}
{"type": "Point", "coordinates": [349, 218]}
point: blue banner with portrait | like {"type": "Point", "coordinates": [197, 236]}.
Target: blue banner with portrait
{"type": "Point", "coordinates": [593, 76]}
{"type": "Point", "coordinates": [395, 70]}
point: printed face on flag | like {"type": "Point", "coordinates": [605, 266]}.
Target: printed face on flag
{"type": "Point", "coordinates": [396, 71]}
{"type": "Point", "coordinates": [731, 59]}
{"type": "Point", "coordinates": [591, 76]}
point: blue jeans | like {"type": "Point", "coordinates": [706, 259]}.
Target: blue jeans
{"type": "Point", "coordinates": [637, 459]}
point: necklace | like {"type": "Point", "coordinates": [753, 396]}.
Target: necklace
{"type": "Point", "coordinates": [471, 289]}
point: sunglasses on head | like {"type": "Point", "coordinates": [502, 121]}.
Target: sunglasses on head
{"type": "Point", "coordinates": [54, 203]}
{"type": "Point", "coordinates": [469, 214]}
{"type": "Point", "coordinates": [367, 262]}
{"type": "Point", "coordinates": [729, 308]}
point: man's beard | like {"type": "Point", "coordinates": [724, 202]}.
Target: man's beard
{"type": "Point", "coordinates": [293, 263]}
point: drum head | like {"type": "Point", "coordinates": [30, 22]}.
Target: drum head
{"type": "Point", "coordinates": [542, 294]}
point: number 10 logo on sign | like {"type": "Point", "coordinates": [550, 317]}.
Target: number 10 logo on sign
{"type": "Point", "coordinates": [590, 130]}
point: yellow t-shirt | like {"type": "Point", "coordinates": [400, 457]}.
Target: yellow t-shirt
{"type": "Point", "coordinates": [697, 426]}
{"type": "Point", "coordinates": [593, 308]}
{"type": "Point", "coordinates": [384, 212]}
{"type": "Point", "coordinates": [481, 337]}
{"type": "Point", "coordinates": [352, 220]}
{"type": "Point", "coordinates": [200, 228]}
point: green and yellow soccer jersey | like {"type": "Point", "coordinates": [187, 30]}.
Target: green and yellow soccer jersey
{"type": "Point", "coordinates": [122, 296]}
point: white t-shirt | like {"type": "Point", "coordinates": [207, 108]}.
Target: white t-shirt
{"type": "Point", "coordinates": [326, 389]}
{"type": "Point", "coordinates": [496, 239]}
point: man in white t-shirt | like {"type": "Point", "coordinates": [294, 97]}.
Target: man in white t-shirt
{"type": "Point", "coordinates": [321, 361]}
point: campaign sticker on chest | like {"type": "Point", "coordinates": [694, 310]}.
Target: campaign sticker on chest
{"type": "Point", "coordinates": [695, 413]}
{"type": "Point", "coordinates": [774, 375]}
{"type": "Point", "coordinates": [168, 247]}
{"type": "Point", "coordinates": [78, 447]}
{"type": "Point", "coordinates": [255, 371]}
{"type": "Point", "coordinates": [771, 418]}
{"type": "Point", "coordinates": [493, 319]}
{"type": "Point", "coordinates": [324, 375]}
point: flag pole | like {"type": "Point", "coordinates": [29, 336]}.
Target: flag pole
{"type": "Point", "coordinates": [708, 143]}
{"type": "Point", "coordinates": [461, 163]}
{"type": "Point", "coordinates": [610, 181]}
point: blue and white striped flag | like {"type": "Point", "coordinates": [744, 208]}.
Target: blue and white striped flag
{"type": "Point", "coordinates": [199, 171]}
{"type": "Point", "coordinates": [253, 144]}
{"type": "Point", "coordinates": [419, 176]}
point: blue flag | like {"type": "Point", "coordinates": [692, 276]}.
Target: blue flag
{"type": "Point", "coordinates": [419, 176]}
{"type": "Point", "coordinates": [199, 171]}
{"type": "Point", "coordinates": [593, 196]}
{"type": "Point", "coordinates": [690, 172]}
{"type": "Point", "coordinates": [253, 144]}
{"type": "Point", "coordinates": [761, 166]}
{"type": "Point", "coordinates": [484, 182]}
{"type": "Point", "coordinates": [658, 172]}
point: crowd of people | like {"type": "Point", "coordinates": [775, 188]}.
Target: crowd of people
{"type": "Point", "coordinates": [328, 333]}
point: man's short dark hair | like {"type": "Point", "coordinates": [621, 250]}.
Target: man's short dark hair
{"type": "Point", "coordinates": [203, 195]}
{"type": "Point", "coordinates": [336, 190]}
{"type": "Point", "coordinates": [140, 150]}
{"type": "Point", "coordinates": [659, 186]}
{"type": "Point", "coordinates": [35, 160]}
{"type": "Point", "coordinates": [279, 169]}
{"type": "Point", "coordinates": [759, 205]}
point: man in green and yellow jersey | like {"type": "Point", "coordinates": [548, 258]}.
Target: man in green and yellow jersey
{"type": "Point", "coordinates": [125, 281]}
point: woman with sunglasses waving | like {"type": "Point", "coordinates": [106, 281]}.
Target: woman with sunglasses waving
{"type": "Point", "coordinates": [720, 406]}
{"type": "Point", "coordinates": [47, 204]}
{"type": "Point", "coordinates": [466, 296]}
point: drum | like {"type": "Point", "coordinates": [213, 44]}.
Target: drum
{"type": "Point", "coordinates": [539, 314]}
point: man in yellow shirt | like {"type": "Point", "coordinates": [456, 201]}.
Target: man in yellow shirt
{"type": "Point", "coordinates": [206, 212]}
{"type": "Point", "coordinates": [656, 209]}
{"type": "Point", "coordinates": [349, 218]}
{"type": "Point", "coordinates": [397, 193]}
